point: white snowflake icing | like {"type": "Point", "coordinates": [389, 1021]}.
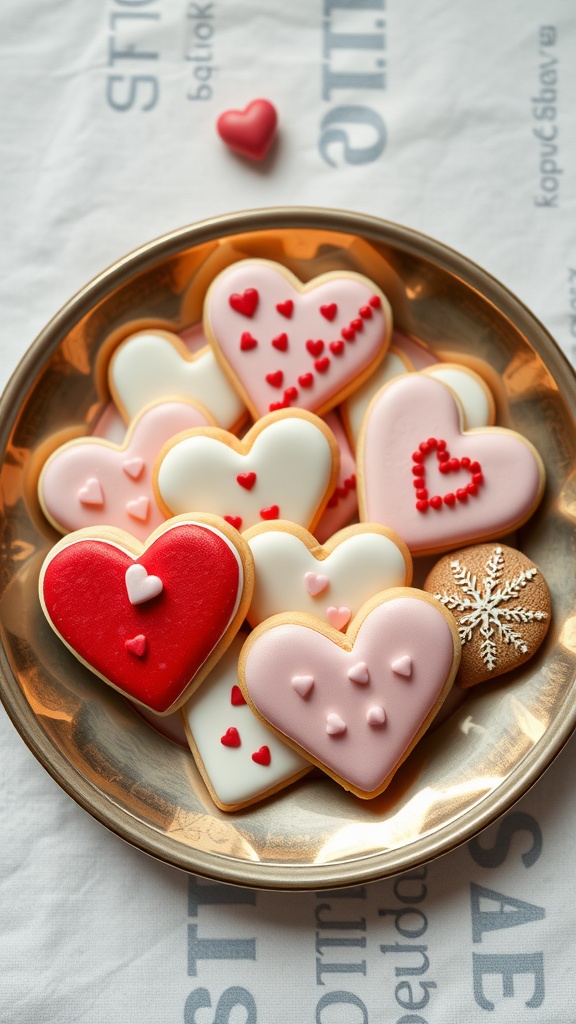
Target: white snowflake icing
{"type": "Point", "coordinates": [483, 604]}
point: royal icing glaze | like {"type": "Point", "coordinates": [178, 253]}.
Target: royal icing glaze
{"type": "Point", "coordinates": [342, 504]}
{"type": "Point", "coordinates": [155, 365]}
{"type": "Point", "coordinates": [354, 408]}
{"type": "Point", "coordinates": [185, 593]}
{"type": "Point", "coordinates": [492, 482]}
{"type": "Point", "coordinates": [293, 458]}
{"type": "Point", "coordinates": [336, 723]}
{"type": "Point", "coordinates": [417, 353]}
{"type": "Point", "coordinates": [294, 573]}
{"type": "Point", "coordinates": [234, 772]}
{"type": "Point", "coordinates": [118, 480]}
{"type": "Point", "coordinates": [474, 395]}
{"type": "Point", "coordinates": [321, 358]}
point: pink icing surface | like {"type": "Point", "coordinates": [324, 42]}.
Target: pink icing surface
{"type": "Point", "coordinates": [68, 470]}
{"type": "Point", "coordinates": [362, 754]}
{"type": "Point", "coordinates": [419, 355]}
{"type": "Point", "coordinates": [266, 348]}
{"type": "Point", "coordinates": [406, 413]}
{"type": "Point", "coordinates": [343, 504]}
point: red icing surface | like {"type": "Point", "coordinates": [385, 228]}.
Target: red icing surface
{"type": "Point", "coordinates": [86, 599]}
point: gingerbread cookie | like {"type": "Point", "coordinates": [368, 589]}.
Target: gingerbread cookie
{"type": "Point", "coordinates": [435, 484]}
{"type": "Point", "coordinates": [501, 605]}
{"type": "Point", "coordinates": [151, 620]}
{"type": "Point", "coordinates": [355, 705]}
{"type": "Point", "coordinates": [284, 468]}
{"type": "Point", "coordinates": [239, 758]}
{"type": "Point", "coordinates": [287, 344]}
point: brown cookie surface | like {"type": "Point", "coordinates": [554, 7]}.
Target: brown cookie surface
{"type": "Point", "coordinates": [501, 604]}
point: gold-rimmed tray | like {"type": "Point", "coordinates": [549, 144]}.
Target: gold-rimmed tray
{"type": "Point", "coordinates": [138, 783]}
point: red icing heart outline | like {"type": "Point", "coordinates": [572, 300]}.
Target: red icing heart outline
{"type": "Point", "coordinates": [446, 465]}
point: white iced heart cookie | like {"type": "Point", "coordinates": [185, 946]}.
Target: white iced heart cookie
{"type": "Point", "coordinates": [240, 759]}
{"type": "Point", "coordinates": [295, 573]}
{"type": "Point", "coordinates": [475, 397]}
{"type": "Point", "coordinates": [285, 343]}
{"type": "Point", "coordinates": [284, 468]}
{"type": "Point", "coordinates": [153, 365]}
{"type": "Point", "coordinates": [356, 716]}
{"type": "Point", "coordinates": [435, 484]}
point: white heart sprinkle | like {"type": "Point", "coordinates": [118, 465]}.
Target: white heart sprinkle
{"type": "Point", "coordinates": [140, 586]}
{"type": "Point", "coordinates": [402, 666]}
{"type": "Point", "coordinates": [91, 493]}
{"type": "Point", "coordinates": [303, 684]}
{"type": "Point", "coordinates": [334, 724]}
{"type": "Point", "coordinates": [376, 715]}
{"type": "Point", "coordinates": [315, 583]}
{"type": "Point", "coordinates": [338, 617]}
{"type": "Point", "coordinates": [359, 673]}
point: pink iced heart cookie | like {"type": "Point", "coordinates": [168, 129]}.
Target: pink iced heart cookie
{"type": "Point", "coordinates": [343, 502]}
{"type": "Point", "coordinates": [284, 468]}
{"type": "Point", "coordinates": [288, 344]}
{"type": "Point", "coordinates": [358, 719]}
{"type": "Point", "coordinates": [91, 482]}
{"type": "Point", "coordinates": [439, 486]}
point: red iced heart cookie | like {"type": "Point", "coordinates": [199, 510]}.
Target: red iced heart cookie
{"type": "Point", "coordinates": [339, 700]}
{"type": "Point", "coordinates": [439, 486]}
{"type": "Point", "coordinates": [300, 328]}
{"type": "Point", "coordinates": [251, 131]}
{"type": "Point", "coordinates": [156, 633]}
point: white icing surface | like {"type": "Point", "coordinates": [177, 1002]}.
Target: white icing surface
{"type": "Point", "coordinates": [393, 365]}
{"type": "Point", "coordinates": [292, 460]}
{"type": "Point", "coordinates": [470, 389]}
{"type": "Point", "coordinates": [148, 366]}
{"type": "Point", "coordinates": [234, 776]}
{"type": "Point", "coordinates": [359, 567]}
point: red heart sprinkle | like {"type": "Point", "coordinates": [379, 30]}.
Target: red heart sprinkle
{"type": "Point", "coordinates": [285, 308]}
{"type": "Point", "coordinates": [274, 406]}
{"type": "Point", "coordinates": [365, 312]}
{"type": "Point", "coordinates": [245, 303]}
{"type": "Point", "coordinates": [322, 364]}
{"type": "Point", "coordinates": [251, 131]}
{"type": "Point", "coordinates": [262, 756]}
{"type": "Point", "coordinates": [332, 502]}
{"type": "Point", "coordinates": [337, 347]}
{"type": "Point", "coordinates": [275, 379]}
{"type": "Point", "coordinates": [246, 480]}
{"type": "Point", "coordinates": [315, 347]}
{"type": "Point", "coordinates": [348, 333]}
{"type": "Point", "coordinates": [329, 311]}
{"type": "Point", "coordinates": [357, 325]}
{"type": "Point", "coordinates": [234, 521]}
{"type": "Point", "coordinates": [280, 342]}
{"type": "Point", "coordinates": [236, 697]}
{"type": "Point", "coordinates": [375, 301]}
{"type": "Point", "coordinates": [137, 645]}
{"type": "Point", "coordinates": [272, 512]}
{"type": "Point", "coordinates": [290, 394]}
{"type": "Point", "coordinates": [342, 492]}
{"type": "Point", "coordinates": [231, 737]}
{"type": "Point", "coordinates": [247, 342]}
{"type": "Point", "coordinates": [306, 380]}
{"type": "Point", "coordinates": [351, 482]}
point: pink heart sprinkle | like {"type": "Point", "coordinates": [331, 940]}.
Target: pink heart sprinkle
{"type": "Point", "coordinates": [376, 715]}
{"type": "Point", "coordinates": [338, 617]}
{"type": "Point", "coordinates": [91, 493]}
{"type": "Point", "coordinates": [315, 583]}
{"type": "Point", "coordinates": [359, 673]}
{"type": "Point", "coordinates": [402, 666]}
{"type": "Point", "coordinates": [302, 684]}
{"type": "Point", "coordinates": [133, 468]}
{"type": "Point", "coordinates": [138, 509]}
{"type": "Point", "coordinates": [334, 724]}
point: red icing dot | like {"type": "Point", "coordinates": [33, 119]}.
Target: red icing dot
{"type": "Point", "coordinates": [453, 465]}
{"type": "Point", "coordinates": [272, 512]}
{"type": "Point", "coordinates": [443, 456]}
{"type": "Point", "coordinates": [462, 494]}
{"type": "Point", "coordinates": [245, 303]}
{"type": "Point", "coordinates": [290, 394]}
{"type": "Point", "coordinates": [365, 312]}
{"type": "Point", "coordinates": [275, 379]}
{"type": "Point", "coordinates": [450, 498]}
{"type": "Point", "coordinates": [472, 488]}
{"type": "Point", "coordinates": [418, 470]}
{"type": "Point", "coordinates": [236, 696]}
{"type": "Point", "coordinates": [375, 301]}
{"type": "Point", "coordinates": [422, 506]}
{"type": "Point", "coordinates": [332, 502]}
{"type": "Point", "coordinates": [417, 457]}
{"type": "Point", "coordinates": [274, 406]}
{"type": "Point", "coordinates": [441, 446]}
{"type": "Point", "coordinates": [247, 342]}
{"type": "Point", "coordinates": [231, 737]}
{"type": "Point", "coordinates": [337, 347]}
{"type": "Point", "coordinates": [436, 501]}
{"type": "Point", "coordinates": [421, 493]}
{"type": "Point", "coordinates": [348, 333]}
{"type": "Point", "coordinates": [322, 364]}
{"type": "Point", "coordinates": [350, 482]}
{"type": "Point", "coordinates": [280, 342]}
{"type": "Point", "coordinates": [465, 462]}
{"type": "Point", "coordinates": [246, 480]}
{"type": "Point", "coordinates": [477, 478]}
{"type": "Point", "coordinates": [314, 347]}
{"type": "Point", "coordinates": [475, 467]}
{"type": "Point", "coordinates": [306, 380]}
{"type": "Point", "coordinates": [234, 521]}
{"type": "Point", "coordinates": [329, 311]}
{"type": "Point", "coordinates": [431, 442]}
{"type": "Point", "coordinates": [423, 446]}
{"type": "Point", "coordinates": [262, 756]}
{"type": "Point", "coordinates": [357, 324]}
{"type": "Point", "coordinates": [285, 308]}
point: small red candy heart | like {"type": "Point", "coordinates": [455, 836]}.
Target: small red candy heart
{"type": "Point", "coordinates": [306, 380]}
{"type": "Point", "coordinates": [245, 303]}
{"type": "Point", "coordinates": [285, 308]}
{"type": "Point", "coordinates": [275, 379]}
{"type": "Point", "coordinates": [314, 347]}
{"type": "Point", "coordinates": [291, 394]}
{"type": "Point", "coordinates": [236, 697]}
{"type": "Point", "coordinates": [280, 342]}
{"type": "Point", "coordinates": [247, 342]}
{"type": "Point", "coordinates": [234, 521]}
{"type": "Point", "coordinates": [329, 311]}
{"type": "Point", "coordinates": [272, 512]}
{"type": "Point", "coordinates": [137, 645]}
{"type": "Point", "coordinates": [246, 480]}
{"type": "Point", "coordinates": [262, 756]}
{"type": "Point", "coordinates": [251, 131]}
{"type": "Point", "coordinates": [231, 738]}
{"type": "Point", "coordinates": [337, 347]}
{"type": "Point", "coordinates": [322, 364]}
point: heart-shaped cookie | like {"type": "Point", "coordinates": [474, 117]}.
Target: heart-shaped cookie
{"type": "Point", "coordinates": [435, 484]}
{"type": "Point", "coordinates": [91, 482]}
{"type": "Point", "coordinates": [295, 573]}
{"type": "Point", "coordinates": [342, 504]}
{"type": "Point", "coordinates": [251, 131]}
{"type": "Point", "coordinates": [256, 763]}
{"type": "Point", "coordinates": [152, 621]}
{"type": "Point", "coordinates": [359, 718]}
{"type": "Point", "coordinates": [154, 365]}
{"type": "Point", "coordinates": [289, 460]}
{"type": "Point", "coordinates": [288, 344]}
